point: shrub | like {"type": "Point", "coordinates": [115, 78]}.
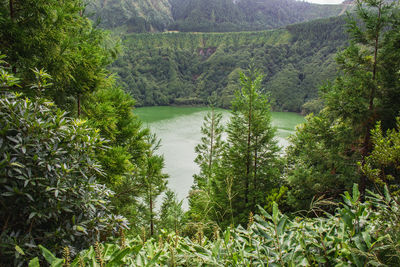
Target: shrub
{"type": "Point", "coordinates": [48, 172]}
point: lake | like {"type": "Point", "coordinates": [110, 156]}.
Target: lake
{"type": "Point", "coordinates": [179, 131]}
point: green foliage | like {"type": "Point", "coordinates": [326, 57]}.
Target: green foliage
{"type": "Point", "coordinates": [244, 15]}
{"type": "Point", "coordinates": [383, 164]}
{"type": "Point", "coordinates": [354, 236]}
{"type": "Point", "coordinates": [60, 39]}
{"type": "Point", "coordinates": [313, 106]}
{"type": "Point", "coordinates": [109, 109]}
{"type": "Point", "coordinates": [135, 16]}
{"type": "Point", "coordinates": [206, 15]}
{"type": "Point", "coordinates": [152, 180]}
{"type": "Point", "coordinates": [325, 151]}
{"type": "Point", "coordinates": [209, 151]}
{"type": "Point", "coordinates": [187, 68]}
{"type": "Point", "coordinates": [171, 213]}
{"type": "Point", "coordinates": [319, 160]}
{"type": "Point", "coordinates": [250, 163]}
{"type": "Point", "coordinates": [209, 154]}
{"type": "Point", "coordinates": [49, 172]}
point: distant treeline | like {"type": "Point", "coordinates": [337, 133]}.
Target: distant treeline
{"type": "Point", "coordinates": [186, 68]}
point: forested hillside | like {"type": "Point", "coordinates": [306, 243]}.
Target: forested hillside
{"type": "Point", "coordinates": [206, 15]}
{"type": "Point", "coordinates": [245, 15]}
{"type": "Point", "coordinates": [178, 68]}
{"type": "Point", "coordinates": [186, 68]}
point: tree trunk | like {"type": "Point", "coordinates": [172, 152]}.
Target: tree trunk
{"type": "Point", "coordinates": [248, 163]}
{"type": "Point", "coordinates": [367, 146]}
{"type": "Point", "coordinates": [151, 211]}
{"type": "Point", "coordinates": [255, 193]}
{"type": "Point", "coordinates": [151, 217]}
{"type": "Point", "coordinates": [210, 159]}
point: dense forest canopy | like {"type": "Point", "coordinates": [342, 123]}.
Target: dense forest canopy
{"type": "Point", "coordinates": [186, 68]}
{"type": "Point", "coordinates": [80, 175]}
{"type": "Point", "coordinates": [207, 15]}
{"type": "Point", "coordinates": [245, 15]}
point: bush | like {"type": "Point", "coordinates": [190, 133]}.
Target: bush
{"type": "Point", "coordinates": [359, 234]}
{"type": "Point", "coordinates": [48, 189]}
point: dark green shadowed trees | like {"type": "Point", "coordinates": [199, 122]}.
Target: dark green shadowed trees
{"type": "Point", "coordinates": [59, 38]}
{"type": "Point", "coordinates": [325, 151]}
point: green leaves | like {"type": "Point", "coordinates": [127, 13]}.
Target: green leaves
{"type": "Point", "coordinates": [50, 258]}
{"type": "Point", "coordinates": [36, 191]}
{"type": "Point", "coordinates": [34, 262]}
{"type": "Point", "coordinates": [19, 250]}
{"type": "Point", "coordinates": [272, 240]}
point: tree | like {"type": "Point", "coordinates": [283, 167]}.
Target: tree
{"type": "Point", "coordinates": [110, 110]}
{"type": "Point", "coordinates": [383, 164]}
{"type": "Point", "coordinates": [356, 96]}
{"type": "Point", "coordinates": [353, 103]}
{"type": "Point", "coordinates": [209, 153]}
{"type": "Point", "coordinates": [210, 149]}
{"type": "Point", "coordinates": [75, 53]}
{"type": "Point", "coordinates": [251, 158]}
{"type": "Point", "coordinates": [152, 180]}
{"type": "Point", "coordinates": [317, 162]}
{"type": "Point", "coordinates": [171, 213]}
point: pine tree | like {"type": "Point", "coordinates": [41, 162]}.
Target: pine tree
{"type": "Point", "coordinates": [365, 92]}
{"type": "Point", "coordinates": [210, 149]}
{"type": "Point", "coordinates": [357, 95]}
{"type": "Point", "coordinates": [250, 162]}
{"type": "Point", "coordinates": [152, 180]}
{"type": "Point", "coordinates": [171, 213]}
{"type": "Point", "coordinates": [209, 153]}
{"type": "Point", "coordinates": [110, 110]}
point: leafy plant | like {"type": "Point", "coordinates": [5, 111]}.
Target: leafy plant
{"type": "Point", "coordinates": [354, 236]}
{"type": "Point", "coordinates": [48, 180]}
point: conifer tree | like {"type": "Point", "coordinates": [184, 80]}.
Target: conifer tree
{"type": "Point", "coordinates": [152, 180]}
{"type": "Point", "coordinates": [323, 158]}
{"type": "Point", "coordinates": [59, 38]}
{"type": "Point", "coordinates": [171, 213]}
{"type": "Point", "coordinates": [357, 95]}
{"type": "Point", "coordinates": [209, 153]}
{"type": "Point", "coordinates": [110, 110]}
{"type": "Point", "coordinates": [251, 159]}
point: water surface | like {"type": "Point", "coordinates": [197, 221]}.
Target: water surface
{"type": "Point", "coordinates": [179, 130]}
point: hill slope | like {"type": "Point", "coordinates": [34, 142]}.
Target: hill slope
{"type": "Point", "coordinates": [244, 15]}
{"type": "Point", "coordinates": [186, 68]}
{"type": "Point", "coordinates": [206, 15]}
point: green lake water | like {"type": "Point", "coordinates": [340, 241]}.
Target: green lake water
{"type": "Point", "coordinates": [179, 131]}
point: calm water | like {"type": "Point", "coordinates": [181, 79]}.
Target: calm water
{"type": "Point", "coordinates": [179, 130]}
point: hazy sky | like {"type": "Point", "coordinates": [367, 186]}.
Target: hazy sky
{"type": "Point", "coordinates": [325, 1]}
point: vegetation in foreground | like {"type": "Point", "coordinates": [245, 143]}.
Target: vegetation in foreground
{"type": "Point", "coordinates": [360, 233]}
